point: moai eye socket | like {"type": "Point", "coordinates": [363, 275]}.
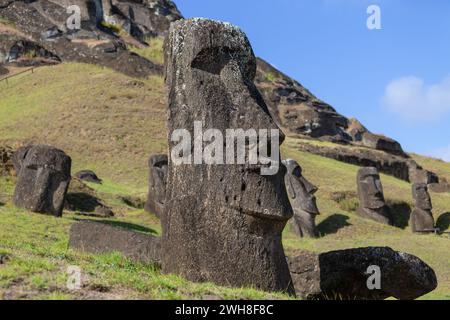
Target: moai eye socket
{"type": "Point", "coordinates": [297, 171]}
{"type": "Point", "coordinates": [212, 60]}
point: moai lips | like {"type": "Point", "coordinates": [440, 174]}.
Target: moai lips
{"type": "Point", "coordinates": [371, 197]}
{"type": "Point", "coordinates": [42, 180]}
{"type": "Point", "coordinates": [222, 223]}
{"type": "Point", "coordinates": [422, 217]}
{"type": "Point", "coordinates": [301, 194]}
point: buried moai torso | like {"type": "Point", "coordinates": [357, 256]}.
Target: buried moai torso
{"type": "Point", "coordinates": [222, 223]}
{"type": "Point", "coordinates": [43, 176]}
{"type": "Point", "coordinates": [301, 194]}
{"type": "Point", "coordinates": [157, 184]}
{"type": "Point", "coordinates": [421, 218]}
{"type": "Point", "coordinates": [370, 191]}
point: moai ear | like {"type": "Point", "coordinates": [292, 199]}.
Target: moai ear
{"type": "Point", "coordinates": [290, 186]}
{"type": "Point", "coordinates": [212, 60]}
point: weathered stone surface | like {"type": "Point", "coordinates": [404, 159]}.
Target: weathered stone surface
{"type": "Point", "coordinates": [222, 223]}
{"type": "Point", "coordinates": [422, 217]}
{"type": "Point", "coordinates": [97, 238]}
{"type": "Point", "coordinates": [42, 180]}
{"type": "Point", "coordinates": [88, 175]}
{"type": "Point", "coordinates": [303, 202]}
{"type": "Point", "coordinates": [157, 184]}
{"type": "Point", "coordinates": [297, 111]}
{"type": "Point", "coordinates": [402, 168]}
{"type": "Point", "coordinates": [441, 187]}
{"type": "Point", "coordinates": [43, 24]}
{"type": "Point", "coordinates": [85, 201]}
{"type": "Point", "coordinates": [342, 275]}
{"type": "Point", "coordinates": [371, 197]}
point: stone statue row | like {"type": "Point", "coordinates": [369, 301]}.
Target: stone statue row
{"type": "Point", "coordinates": [372, 204]}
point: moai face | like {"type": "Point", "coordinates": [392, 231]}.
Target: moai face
{"type": "Point", "coordinates": [158, 165]}
{"type": "Point", "coordinates": [224, 221]}
{"type": "Point", "coordinates": [421, 196]}
{"type": "Point", "coordinates": [43, 179]}
{"type": "Point", "coordinates": [300, 190]}
{"type": "Point", "coordinates": [370, 188]}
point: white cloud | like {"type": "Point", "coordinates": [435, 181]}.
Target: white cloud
{"type": "Point", "coordinates": [442, 153]}
{"type": "Point", "coordinates": [413, 100]}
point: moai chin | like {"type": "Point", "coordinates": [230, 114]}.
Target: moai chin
{"type": "Point", "coordinates": [301, 194]}
{"type": "Point", "coordinates": [157, 184]}
{"type": "Point", "coordinates": [422, 217]}
{"type": "Point", "coordinates": [222, 223]}
{"type": "Point", "coordinates": [43, 177]}
{"type": "Point", "coordinates": [371, 198]}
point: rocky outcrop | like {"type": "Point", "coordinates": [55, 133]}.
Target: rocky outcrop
{"type": "Point", "coordinates": [94, 237]}
{"type": "Point", "coordinates": [298, 111]}
{"type": "Point", "coordinates": [344, 274]}
{"type": "Point", "coordinates": [45, 25]}
{"type": "Point", "coordinates": [402, 168]}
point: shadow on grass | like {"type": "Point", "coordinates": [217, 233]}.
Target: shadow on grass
{"type": "Point", "coordinates": [401, 213]}
{"type": "Point", "coordinates": [124, 225]}
{"type": "Point", "coordinates": [333, 223]}
{"type": "Point", "coordinates": [443, 222]}
{"type": "Point", "coordinates": [79, 201]}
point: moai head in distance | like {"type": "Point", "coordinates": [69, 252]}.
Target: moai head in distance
{"type": "Point", "coordinates": [43, 177]}
{"type": "Point", "coordinates": [422, 218]}
{"type": "Point", "coordinates": [301, 194]}
{"type": "Point", "coordinates": [157, 184]}
{"type": "Point", "coordinates": [222, 223]}
{"type": "Point", "coordinates": [370, 191]}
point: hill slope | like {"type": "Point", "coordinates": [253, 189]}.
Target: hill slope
{"type": "Point", "coordinates": [111, 123]}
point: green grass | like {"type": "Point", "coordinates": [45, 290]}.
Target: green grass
{"type": "Point", "coordinates": [111, 123]}
{"type": "Point", "coordinates": [154, 51]}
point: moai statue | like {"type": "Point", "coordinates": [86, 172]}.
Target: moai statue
{"type": "Point", "coordinates": [422, 217]}
{"type": "Point", "coordinates": [222, 222]}
{"type": "Point", "coordinates": [157, 184]}
{"type": "Point", "coordinates": [43, 176]}
{"type": "Point", "coordinates": [371, 198]}
{"type": "Point", "coordinates": [301, 194]}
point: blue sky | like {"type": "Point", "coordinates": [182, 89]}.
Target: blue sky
{"type": "Point", "coordinates": [396, 80]}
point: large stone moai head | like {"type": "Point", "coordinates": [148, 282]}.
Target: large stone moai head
{"type": "Point", "coordinates": [157, 184]}
{"type": "Point", "coordinates": [222, 222]}
{"type": "Point", "coordinates": [422, 218]}
{"type": "Point", "coordinates": [43, 176]}
{"type": "Point", "coordinates": [370, 191]}
{"type": "Point", "coordinates": [301, 194]}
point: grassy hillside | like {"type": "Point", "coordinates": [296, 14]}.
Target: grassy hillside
{"type": "Point", "coordinates": [111, 123]}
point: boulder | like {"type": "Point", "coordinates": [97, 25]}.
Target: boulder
{"type": "Point", "coordinates": [43, 176]}
{"type": "Point", "coordinates": [157, 184]}
{"type": "Point", "coordinates": [343, 274]}
{"type": "Point", "coordinates": [222, 222]}
{"type": "Point", "coordinates": [95, 237]}
{"type": "Point", "coordinates": [441, 187]}
{"type": "Point", "coordinates": [88, 175]}
{"type": "Point", "coordinates": [371, 197]}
